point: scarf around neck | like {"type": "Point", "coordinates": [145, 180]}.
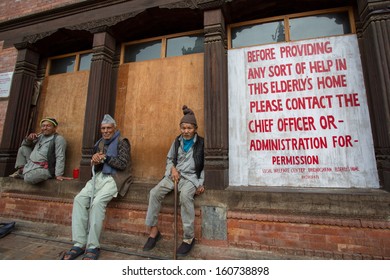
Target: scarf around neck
{"type": "Point", "coordinates": [112, 151]}
{"type": "Point", "coordinates": [187, 144]}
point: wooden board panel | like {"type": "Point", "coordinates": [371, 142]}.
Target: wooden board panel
{"type": "Point", "coordinates": [63, 97]}
{"type": "Point", "coordinates": [3, 111]}
{"type": "Point", "coordinates": [148, 108]}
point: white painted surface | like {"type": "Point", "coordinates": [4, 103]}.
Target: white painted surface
{"type": "Point", "coordinates": [5, 83]}
{"type": "Point", "coordinates": [350, 165]}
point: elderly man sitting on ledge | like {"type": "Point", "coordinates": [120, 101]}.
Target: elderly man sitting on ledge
{"type": "Point", "coordinates": [41, 155]}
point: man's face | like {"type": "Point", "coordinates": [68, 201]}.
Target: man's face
{"type": "Point", "coordinates": [47, 128]}
{"type": "Point", "coordinates": [108, 130]}
{"type": "Point", "coordinates": [188, 130]}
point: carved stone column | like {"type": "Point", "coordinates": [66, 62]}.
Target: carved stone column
{"type": "Point", "coordinates": [374, 41]}
{"type": "Point", "coordinates": [17, 119]}
{"type": "Point", "coordinates": [99, 95]}
{"type": "Point", "coordinates": [216, 100]}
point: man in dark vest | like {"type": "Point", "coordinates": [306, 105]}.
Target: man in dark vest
{"type": "Point", "coordinates": [112, 166]}
{"type": "Point", "coordinates": [41, 155]}
{"type": "Point", "coordinates": [185, 163]}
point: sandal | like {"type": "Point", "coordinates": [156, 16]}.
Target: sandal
{"type": "Point", "coordinates": [73, 253]}
{"type": "Point", "coordinates": [91, 254]}
{"type": "Point", "coordinates": [18, 174]}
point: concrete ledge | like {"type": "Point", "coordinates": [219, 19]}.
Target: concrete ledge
{"type": "Point", "coordinates": [367, 203]}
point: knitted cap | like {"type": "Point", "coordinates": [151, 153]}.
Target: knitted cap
{"type": "Point", "coordinates": [51, 120]}
{"type": "Point", "coordinates": [189, 116]}
{"type": "Point", "coordinates": [107, 119]}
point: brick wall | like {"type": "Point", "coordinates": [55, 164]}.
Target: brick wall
{"type": "Point", "coordinates": [120, 217]}
{"type": "Point", "coordinates": [10, 9]}
{"type": "Point", "coordinates": [331, 238]}
{"type": "Point", "coordinates": [7, 58]}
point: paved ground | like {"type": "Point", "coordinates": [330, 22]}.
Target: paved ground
{"type": "Point", "coordinates": [19, 246]}
{"type": "Point", "coordinates": [42, 241]}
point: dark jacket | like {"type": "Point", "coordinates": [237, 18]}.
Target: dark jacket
{"type": "Point", "coordinates": [198, 153]}
{"type": "Point", "coordinates": [123, 177]}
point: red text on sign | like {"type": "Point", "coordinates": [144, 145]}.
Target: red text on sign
{"type": "Point", "coordinates": [296, 124]}
{"type": "Point", "coordinates": [348, 100]}
{"type": "Point", "coordinates": [264, 125]}
{"type": "Point", "coordinates": [263, 54]}
{"type": "Point", "coordinates": [262, 106]}
{"type": "Point", "coordinates": [342, 141]}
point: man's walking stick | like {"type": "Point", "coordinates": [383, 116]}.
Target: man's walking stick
{"type": "Point", "coordinates": [175, 220]}
{"type": "Point", "coordinates": [92, 195]}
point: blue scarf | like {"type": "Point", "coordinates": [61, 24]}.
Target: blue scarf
{"type": "Point", "coordinates": [112, 151]}
{"type": "Point", "coordinates": [187, 144]}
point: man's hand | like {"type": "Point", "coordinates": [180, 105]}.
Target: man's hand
{"type": "Point", "coordinates": [199, 190]}
{"type": "Point", "coordinates": [33, 136]}
{"type": "Point", "coordinates": [62, 178]}
{"type": "Point", "coordinates": [175, 175]}
{"type": "Point", "coordinates": [98, 158]}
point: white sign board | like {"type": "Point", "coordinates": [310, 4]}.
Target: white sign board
{"type": "Point", "coordinates": [5, 83]}
{"type": "Point", "coordinates": [298, 116]}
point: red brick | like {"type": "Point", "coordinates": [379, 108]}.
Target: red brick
{"type": "Point", "coordinates": [12, 9]}
{"type": "Point", "coordinates": [325, 241]}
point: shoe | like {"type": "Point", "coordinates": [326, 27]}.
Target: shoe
{"type": "Point", "coordinates": [151, 242]}
{"type": "Point", "coordinates": [185, 248]}
{"type": "Point", "coordinates": [6, 228]}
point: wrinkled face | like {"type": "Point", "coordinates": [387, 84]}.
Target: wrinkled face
{"type": "Point", "coordinates": [188, 130]}
{"type": "Point", "coordinates": [108, 130]}
{"type": "Point", "coordinates": [47, 128]}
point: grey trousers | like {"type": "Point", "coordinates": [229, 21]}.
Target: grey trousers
{"type": "Point", "coordinates": [186, 200]}
{"type": "Point", "coordinates": [37, 175]}
{"type": "Point", "coordinates": [87, 222]}
{"type": "Point", "coordinates": [23, 155]}
{"type": "Point", "coordinates": [32, 173]}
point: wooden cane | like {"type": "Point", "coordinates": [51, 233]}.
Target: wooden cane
{"type": "Point", "coordinates": [175, 221]}
{"type": "Point", "coordinates": [92, 195]}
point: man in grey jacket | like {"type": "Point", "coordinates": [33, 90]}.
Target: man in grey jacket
{"type": "Point", "coordinates": [185, 162]}
{"type": "Point", "coordinates": [41, 155]}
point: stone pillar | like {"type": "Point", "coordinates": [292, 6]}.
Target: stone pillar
{"type": "Point", "coordinates": [374, 41]}
{"type": "Point", "coordinates": [215, 99]}
{"type": "Point", "coordinates": [99, 97]}
{"type": "Point", "coordinates": [17, 119]}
